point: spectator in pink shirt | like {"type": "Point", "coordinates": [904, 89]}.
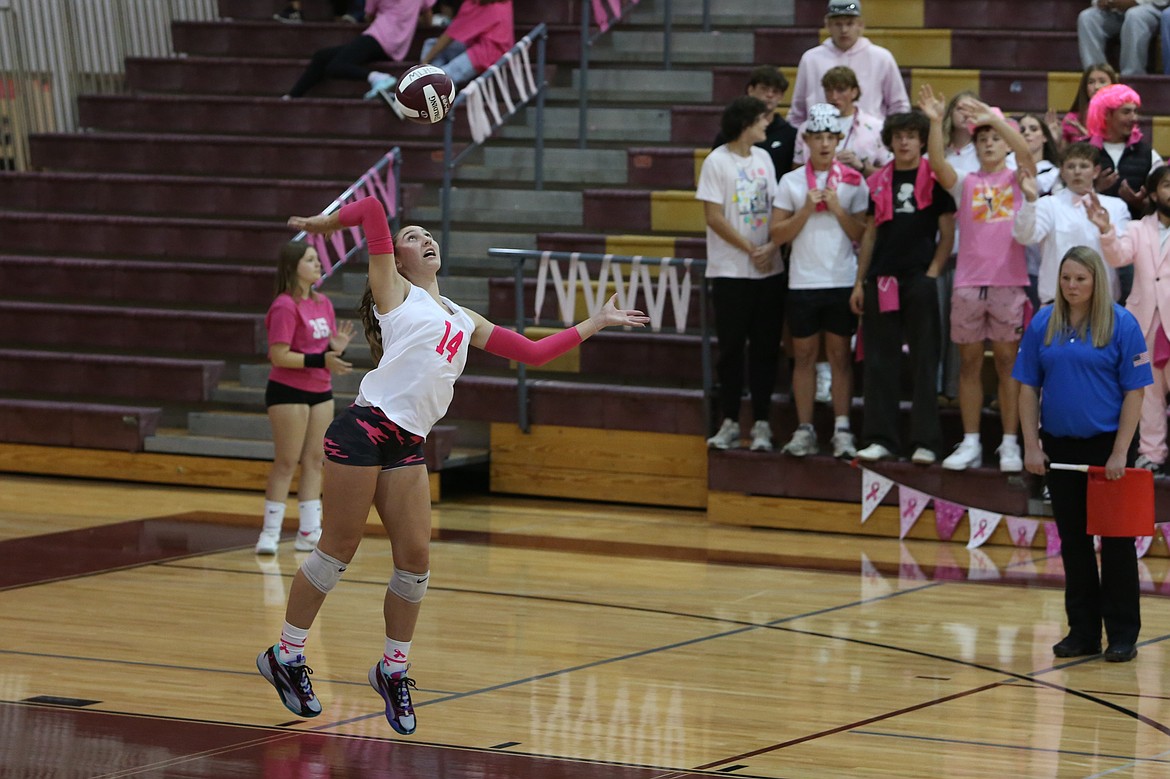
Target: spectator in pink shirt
{"type": "Point", "coordinates": [388, 37]}
{"type": "Point", "coordinates": [882, 90]}
{"type": "Point", "coordinates": [991, 274]}
{"type": "Point", "coordinates": [481, 32]}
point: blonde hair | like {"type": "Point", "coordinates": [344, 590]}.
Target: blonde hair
{"type": "Point", "coordinates": [1099, 322]}
{"type": "Point", "coordinates": [948, 123]}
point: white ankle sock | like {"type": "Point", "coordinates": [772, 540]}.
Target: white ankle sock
{"type": "Point", "coordinates": [273, 516]}
{"type": "Point", "coordinates": [394, 657]}
{"type": "Point", "coordinates": [291, 647]}
{"type": "Point", "coordinates": [310, 515]}
{"type": "Point", "coordinates": [970, 438]}
{"type": "Point", "coordinates": [1011, 439]}
{"type": "Point", "coordinates": [841, 423]}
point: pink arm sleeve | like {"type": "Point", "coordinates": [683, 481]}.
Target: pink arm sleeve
{"type": "Point", "coordinates": [514, 346]}
{"type": "Point", "coordinates": [369, 213]}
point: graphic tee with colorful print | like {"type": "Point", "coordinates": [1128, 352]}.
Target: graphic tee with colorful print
{"type": "Point", "coordinates": [745, 188]}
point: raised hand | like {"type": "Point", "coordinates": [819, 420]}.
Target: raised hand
{"type": "Point", "coordinates": [610, 315]}
{"type": "Point", "coordinates": [934, 106]}
{"type": "Point", "coordinates": [1097, 213]}
{"type": "Point", "coordinates": [1028, 184]}
{"type": "Point", "coordinates": [321, 224]}
{"type": "Point", "coordinates": [976, 111]}
{"type": "Point", "coordinates": [341, 337]}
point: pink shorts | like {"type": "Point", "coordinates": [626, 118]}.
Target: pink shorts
{"type": "Point", "coordinates": [987, 313]}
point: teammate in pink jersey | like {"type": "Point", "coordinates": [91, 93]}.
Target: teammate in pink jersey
{"type": "Point", "coordinates": [304, 347]}
{"type": "Point", "coordinates": [374, 448]}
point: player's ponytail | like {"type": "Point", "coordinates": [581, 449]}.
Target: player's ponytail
{"type": "Point", "coordinates": [370, 324]}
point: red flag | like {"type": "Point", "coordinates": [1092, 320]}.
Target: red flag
{"type": "Point", "coordinates": [1120, 507]}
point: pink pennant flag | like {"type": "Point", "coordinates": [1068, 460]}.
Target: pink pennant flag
{"type": "Point", "coordinates": [947, 516]}
{"type": "Point", "coordinates": [981, 567]}
{"type": "Point", "coordinates": [1022, 531]}
{"type": "Point", "coordinates": [1166, 533]}
{"type": "Point", "coordinates": [874, 487]}
{"type": "Point", "coordinates": [946, 567]}
{"type": "Point", "coordinates": [911, 504]}
{"type": "Point", "coordinates": [1052, 539]}
{"type": "Point", "coordinates": [983, 524]}
{"type": "Point", "coordinates": [1143, 545]}
{"type": "Point", "coordinates": [908, 568]}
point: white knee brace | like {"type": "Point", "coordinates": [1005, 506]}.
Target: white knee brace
{"type": "Point", "coordinates": [322, 571]}
{"type": "Point", "coordinates": [411, 587]}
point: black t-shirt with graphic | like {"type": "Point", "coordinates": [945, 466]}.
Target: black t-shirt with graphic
{"type": "Point", "coordinates": [905, 244]}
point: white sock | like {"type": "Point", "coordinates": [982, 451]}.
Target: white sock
{"type": "Point", "coordinates": [291, 648]}
{"type": "Point", "coordinates": [394, 657]}
{"type": "Point", "coordinates": [310, 514]}
{"type": "Point", "coordinates": [970, 438]}
{"type": "Point", "coordinates": [841, 423]}
{"type": "Point", "coordinates": [273, 516]}
{"type": "Point", "coordinates": [1010, 439]}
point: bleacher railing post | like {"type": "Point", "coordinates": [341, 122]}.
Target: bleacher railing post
{"type": "Point", "coordinates": [583, 78]}
{"type": "Point", "coordinates": [667, 33]}
{"type": "Point", "coordinates": [522, 369]}
{"type": "Point", "coordinates": [445, 195]}
{"type": "Point", "coordinates": [706, 15]}
{"type": "Point", "coordinates": [541, 42]}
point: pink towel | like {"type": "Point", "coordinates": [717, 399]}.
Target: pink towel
{"type": "Point", "coordinates": [838, 173]}
{"type": "Point", "coordinates": [881, 189]}
{"type": "Point", "coordinates": [1161, 348]}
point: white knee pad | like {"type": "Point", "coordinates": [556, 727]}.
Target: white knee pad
{"type": "Point", "coordinates": [322, 571]}
{"type": "Point", "coordinates": [411, 587]}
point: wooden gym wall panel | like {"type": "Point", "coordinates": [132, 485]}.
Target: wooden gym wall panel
{"type": "Point", "coordinates": [615, 465]}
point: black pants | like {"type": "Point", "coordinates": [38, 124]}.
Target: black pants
{"type": "Point", "coordinates": [1089, 597]}
{"type": "Point", "coordinates": [915, 323]}
{"type": "Point", "coordinates": [346, 61]}
{"type": "Point", "coordinates": [748, 312]}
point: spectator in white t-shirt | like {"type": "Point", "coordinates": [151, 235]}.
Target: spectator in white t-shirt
{"type": "Point", "coordinates": [820, 208]}
{"type": "Point", "coordinates": [737, 185]}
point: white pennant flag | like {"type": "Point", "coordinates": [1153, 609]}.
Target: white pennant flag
{"type": "Point", "coordinates": [874, 487]}
{"type": "Point", "coordinates": [911, 504]}
{"type": "Point", "coordinates": [1022, 530]}
{"type": "Point", "coordinates": [983, 524]}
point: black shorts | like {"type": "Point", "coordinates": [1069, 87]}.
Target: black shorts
{"type": "Point", "coordinates": [812, 311]}
{"type": "Point", "coordinates": [277, 394]}
{"type": "Point", "coordinates": [363, 435]}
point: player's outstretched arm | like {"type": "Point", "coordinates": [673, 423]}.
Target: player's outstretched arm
{"type": "Point", "coordinates": [503, 342]}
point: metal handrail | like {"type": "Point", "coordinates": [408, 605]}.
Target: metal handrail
{"type": "Point", "coordinates": [392, 158]}
{"type": "Point", "coordinates": [520, 257]}
{"type": "Point", "coordinates": [539, 36]}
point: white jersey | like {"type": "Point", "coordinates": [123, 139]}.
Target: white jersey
{"type": "Point", "coordinates": [425, 351]}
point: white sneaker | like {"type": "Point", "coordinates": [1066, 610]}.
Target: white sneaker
{"type": "Point", "coordinates": [1146, 463]}
{"type": "Point", "coordinates": [968, 454]}
{"type": "Point", "coordinates": [844, 444]}
{"type": "Point", "coordinates": [1010, 460]}
{"type": "Point", "coordinates": [803, 443]}
{"type": "Point", "coordinates": [392, 100]}
{"type": "Point", "coordinates": [824, 383]}
{"type": "Point", "coordinates": [727, 437]}
{"type": "Point", "coordinates": [923, 456]}
{"type": "Point", "coordinates": [307, 542]}
{"type": "Point", "coordinates": [761, 436]}
{"type": "Point", "coordinates": [268, 542]}
{"type": "Point", "coordinates": [382, 83]}
{"type": "Point", "coordinates": [873, 453]}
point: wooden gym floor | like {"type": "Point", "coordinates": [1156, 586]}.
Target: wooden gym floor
{"type": "Point", "coordinates": [558, 639]}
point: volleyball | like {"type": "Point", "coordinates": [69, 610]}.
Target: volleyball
{"type": "Point", "coordinates": [425, 94]}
